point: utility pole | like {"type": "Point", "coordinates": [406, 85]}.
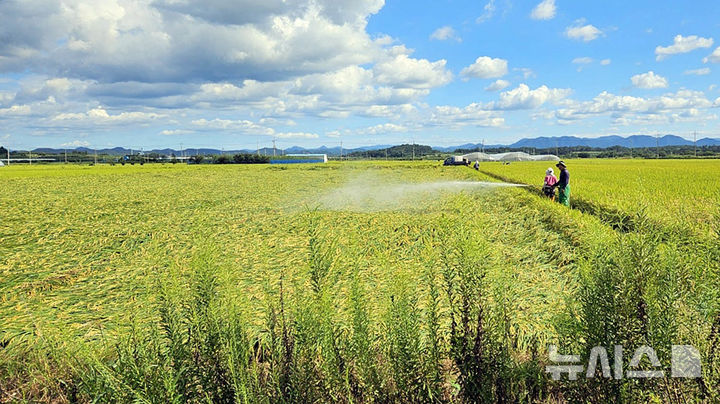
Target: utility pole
{"type": "Point", "coordinates": [657, 145]}
{"type": "Point", "coordinates": [8, 155]}
{"type": "Point", "coordinates": [413, 148]}
{"type": "Point", "coordinates": [274, 148]}
{"type": "Point", "coordinates": [65, 156]}
{"type": "Point", "coordinates": [258, 147]}
{"type": "Point", "coordinates": [341, 150]}
{"type": "Point", "coordinates": [95, 156]}
{"type": "Point", "coordinates": [30, 156]}
{"type": "Point", "coordinates": [695, 142]}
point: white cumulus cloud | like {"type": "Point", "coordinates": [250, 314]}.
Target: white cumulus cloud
{"type": "Point", "coordinates": [382, 129]}
{"type": "Point", "coordinates": [585, 33]}
{"type": "Point", "coordinates": [683, 106]}
{"type": "Point", "coordinates": [649, 80]}
{"type": "Point", "coordinates": [247, 127]}
{"type": "Point", "coordinates": [175, 132]}
{"type": "Point", "coordinates": [16, 110]}
{"type": "Point", "coordinates": [544, 11]}
{"type": "Point", "coordinates": [240, 126]}
{"type": "Point", "coordinates": [713, 57]}
{"type": "Point", "coordinates": [682, 44]}
{"type": "Point", "coordinates": [99, 115]}
{"type": "Point", "coordinates": [296, 135]}
{"type": "Point", "coordinates": [76, 143]}
{"type": "Point", "coordinates": [404, 71]}
{"type": "Point", "coordinates": [445, 33]}
{"type": "Point", "coordinates": [456, 117]}
{"type": "Point", "coordinates": [171, 41]}
{"type": "Point", "coordinates": [489, 12]}
{"type": "Point", "coordinates": [498, 85]}
{"type": "Point", "coordinates": [523, 97]}
{"type": "Point", "coordinates": [582, 60]}
{"type": "Point", "coordinates": [486, 68]}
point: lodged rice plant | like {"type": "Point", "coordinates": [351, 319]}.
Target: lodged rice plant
{"type": "Point", "coordinates": [355, 282]}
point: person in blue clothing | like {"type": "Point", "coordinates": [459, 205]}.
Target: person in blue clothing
{"type": "Point", "coordinates": [563, 184]}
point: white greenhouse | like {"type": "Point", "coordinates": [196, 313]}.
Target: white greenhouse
{"type": "Point", "coordinates": [510, 156]}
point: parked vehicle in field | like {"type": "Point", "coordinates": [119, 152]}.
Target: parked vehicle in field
{"type": "Point", "coordinates": [456, 161]}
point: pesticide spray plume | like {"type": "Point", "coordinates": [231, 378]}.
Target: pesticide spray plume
{"type": "Point", "coordinates": [376, 194]}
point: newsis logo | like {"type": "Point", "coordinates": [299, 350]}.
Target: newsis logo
{"type": "Point", "coordinates": [685, 363]}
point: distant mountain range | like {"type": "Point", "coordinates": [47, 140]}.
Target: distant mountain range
{"type": "Point", "coordinates": [636, 141]}
{"type": "Point", "coordinates": [610, 141]}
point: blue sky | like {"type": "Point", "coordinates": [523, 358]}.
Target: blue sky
{"type": "Point", "coordinates": [235, 74]}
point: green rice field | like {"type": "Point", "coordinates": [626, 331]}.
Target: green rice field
{"type": "Point", "coordinates": [353, 282]}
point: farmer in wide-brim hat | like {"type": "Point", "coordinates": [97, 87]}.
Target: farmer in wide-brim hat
{"type": "Point", "coordinates": [563, 184]}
